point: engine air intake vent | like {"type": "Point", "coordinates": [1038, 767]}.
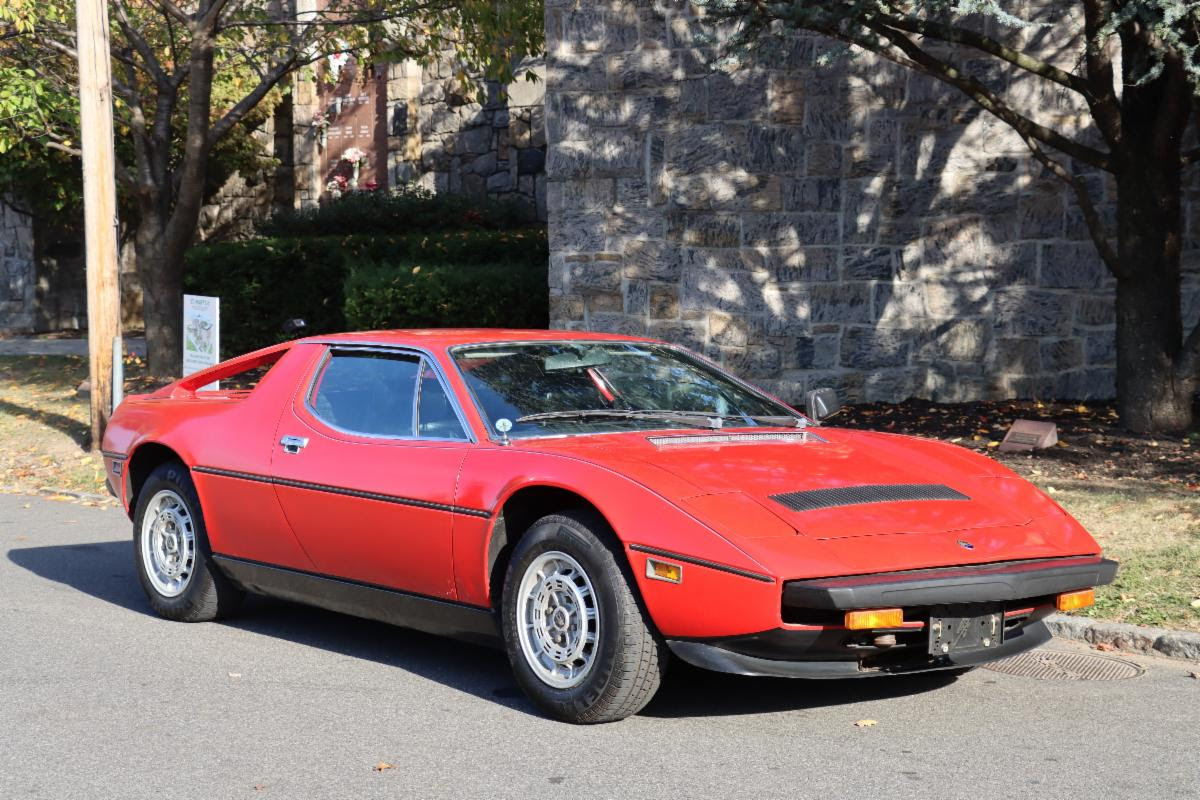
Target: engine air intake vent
{"type": "Point", "coordinates": [733, 438]}
{"type": "Point", "coordinates": [860, 495]}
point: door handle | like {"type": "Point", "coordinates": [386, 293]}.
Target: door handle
{"type": "Point", "coordinates": [293, 444]}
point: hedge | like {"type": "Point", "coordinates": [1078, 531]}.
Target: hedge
{"type": "Point", "coordinates": [399, 212]}
{"type": "Point", "coordinates": [442, 295]}
{"type": "Point", "coordinates": [333, 283]}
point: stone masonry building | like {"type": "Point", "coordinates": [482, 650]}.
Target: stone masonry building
{"type": "Point", "coordinates": [857, 225]}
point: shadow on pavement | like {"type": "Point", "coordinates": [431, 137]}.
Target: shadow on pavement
{"type": "Point", "coordinates": [692, 692]}
{"type": "Point", "coordinates": [106, 571]}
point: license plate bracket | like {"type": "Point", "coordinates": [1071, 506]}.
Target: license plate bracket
{"type": "Point", "coordinates": [953, 634]}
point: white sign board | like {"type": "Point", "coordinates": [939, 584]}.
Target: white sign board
{"type": "Point", "coordinates": [201, 334]}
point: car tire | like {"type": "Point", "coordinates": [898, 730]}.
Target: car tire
{"type": "Point", "coordinates": [569, 565]}
{"type": "Point", "coordinates": [172, 554]}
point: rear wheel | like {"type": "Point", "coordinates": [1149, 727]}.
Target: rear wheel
{"type": "Point", "coordinates": [578, 641]}
{"type": "Point", "coordinates": [174, 561]}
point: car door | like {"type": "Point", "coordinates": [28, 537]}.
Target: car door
{"type": "Point", "coordinates": [365, 467]}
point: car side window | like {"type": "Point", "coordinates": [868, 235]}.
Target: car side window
{"type": "Point", "coordinates": [369, 393]}
{"type": "Point", "coordinates": [436, 418]}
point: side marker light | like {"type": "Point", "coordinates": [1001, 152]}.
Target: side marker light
{"type": "Point", "coordinates": [663, 571]}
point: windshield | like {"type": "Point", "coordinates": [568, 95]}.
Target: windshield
{"type": "Point", "coordinates": [555, 388]}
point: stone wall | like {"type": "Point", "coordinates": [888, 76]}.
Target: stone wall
{"type": "Point", "coordinates": [441, 138]}
{"type": "Point", "coordinates": [16, 266]}
{"type": "Point", "coordinates": [496, 149]}
{"type": "Point", "coordinates": [858, 225]}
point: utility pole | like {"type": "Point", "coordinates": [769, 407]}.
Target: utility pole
{"type": "Point", "coordinates": [99, 205]}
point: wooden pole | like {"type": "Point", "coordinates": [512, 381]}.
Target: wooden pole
{"type": "Point", "coordinates": [99, 205]}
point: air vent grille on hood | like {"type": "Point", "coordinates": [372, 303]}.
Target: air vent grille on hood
{"type": "Point", "coordinates": [859, 495]}
{"type": "Point", "coordinates": [725, 438]}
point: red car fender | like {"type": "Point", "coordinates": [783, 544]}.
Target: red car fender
{"type": "Point", "coordinates": [723, 591]}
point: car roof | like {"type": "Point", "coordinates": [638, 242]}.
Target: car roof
{"type": "Point", "coordinates": [452, 337]}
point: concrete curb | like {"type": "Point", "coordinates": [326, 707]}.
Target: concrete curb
{"type": "Point", "coordinates": [49, 491]}
{"type": "Point", "coordinates": [1122, 636]}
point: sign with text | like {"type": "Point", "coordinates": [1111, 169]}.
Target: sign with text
{"type": "Point", "coordinates": [201, 334]}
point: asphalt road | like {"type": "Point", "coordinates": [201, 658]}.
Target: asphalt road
{"type": "Point", "coordinates": [99, 699]}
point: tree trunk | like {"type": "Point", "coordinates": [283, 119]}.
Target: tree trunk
{"type": "Point", "coordinates": [1152, 396]}
{"type": "Point", "coordinates": [1153, 393]}
{"type": "Point", "coordinates": [161, 275]}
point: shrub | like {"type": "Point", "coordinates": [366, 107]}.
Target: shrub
{"type": "Point", "coordinates": [404, 211]}
{"type": "Point", "coordinates": [264, 282]}
{"type": "Point", "coordinates": [508, 295]}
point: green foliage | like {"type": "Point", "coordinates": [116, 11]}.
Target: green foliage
{"type": "Point", "coordinates": [488, 295]}
{"type": "Point", "coordinates": [409, 209]}
{"type": "Point", "coordinates": [367, 281]}
{"type": "Point", "coordinates": [256, 47]}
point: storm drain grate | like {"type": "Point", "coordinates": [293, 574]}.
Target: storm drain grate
{"type": "Point", "coordinates": [1059, 666]}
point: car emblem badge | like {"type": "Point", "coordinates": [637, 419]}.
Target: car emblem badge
{"type": "Point", "coordinates": [965, 545]}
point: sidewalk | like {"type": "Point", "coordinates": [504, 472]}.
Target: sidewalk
{"type": "Point", "coordinates": [42, 346]}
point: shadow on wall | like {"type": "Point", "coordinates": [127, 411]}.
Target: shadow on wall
{"type": "Point", "coordinates": [857, 225]}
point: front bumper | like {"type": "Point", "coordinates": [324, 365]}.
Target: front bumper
{"type": "Point", "coordinates": [801, 654]}
{"type": "Point", "coordinates": [1012, 580]}
{"type": "Point", "coordinates": [814, 644]}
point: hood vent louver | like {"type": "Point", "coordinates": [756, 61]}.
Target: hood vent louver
{"type": "Point", "coordinates": [798, 437]}
{"type": "Point", "coordinates": [861, 495]}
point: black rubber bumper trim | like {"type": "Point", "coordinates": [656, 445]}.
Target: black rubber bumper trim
{"type": "Point", "coordinates": [719, 659]}
{"type": "Point", "coordinates": [1013, 580]}
{"type": "Point", "coordinates": [700, 562]}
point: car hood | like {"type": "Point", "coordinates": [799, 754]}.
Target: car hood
{"type": "Point", "coordinates": [734, 482]}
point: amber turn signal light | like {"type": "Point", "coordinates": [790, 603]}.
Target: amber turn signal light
{"type": "Point", "coordinates": [1073, 601]}
{"type": "Point", "coordinates": [663, 571]}
{"type": "Point", "coordinates": [874, 618]}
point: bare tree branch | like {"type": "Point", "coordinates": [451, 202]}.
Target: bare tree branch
{"type": "Point", "coordinates": [74, 151]}
{"type": "Point", "coordinates": [139, 44]}
{"type": "Point", "coordinates": [1101, 97]}
{"type": "Point", "coordinates": [244, 106]}
{"type": "Point", "coordinates": [1095, 225]}
{"type": "Point", "coordinates": [990, 101]}
{"type": "Point", "coordinates": [952, 34]}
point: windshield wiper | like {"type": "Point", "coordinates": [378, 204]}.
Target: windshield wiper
{"type": "Point", "coordinates": [774, 420]}
{"type": "Point", "coordinates": [696, 419]}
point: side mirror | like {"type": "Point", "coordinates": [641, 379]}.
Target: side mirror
{"type": "Point", "coordinates": [821, 403]}
{"type": "Point", "coordinates": [293, 326]}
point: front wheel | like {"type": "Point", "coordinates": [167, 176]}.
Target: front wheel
{"type": "Point", "coordinates": [578, 641]}
{"type": "Point", "coordinates": [170, 543]}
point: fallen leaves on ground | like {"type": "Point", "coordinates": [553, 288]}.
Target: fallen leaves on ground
{"type": "Point", "coordinates": [383, 765]}
{"type": "Point", "coordinates": [866, 723]}
{"type": "Point", "coordinates": [1106, 647]}
{"type": "Point", "coordinates": [1092, 444]}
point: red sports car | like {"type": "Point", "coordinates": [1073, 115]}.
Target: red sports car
{"type": "Point", "coordinates": [593, 503]}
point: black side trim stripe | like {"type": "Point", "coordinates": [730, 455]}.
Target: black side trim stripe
{"type": "Point", "coordinates": [321, 487]}
{"type": "Point", "coordinates": [745, 573]}
{"type": "Point", "coordinates": [116, 456]}
{"type": "Point", "coordinates": [814, 499]}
